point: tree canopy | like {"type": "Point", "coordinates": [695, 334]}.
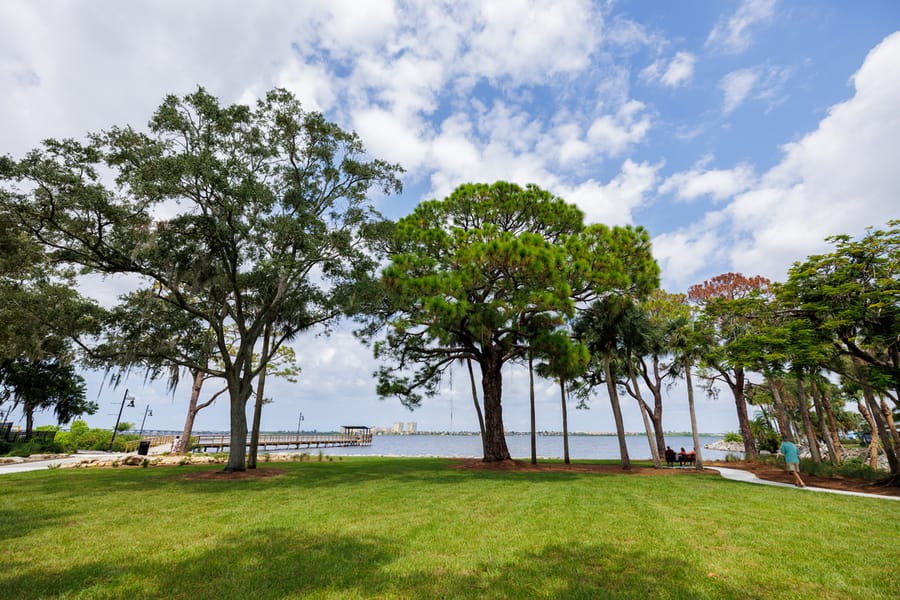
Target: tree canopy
{"type": "Point", "coordinates": [229, 216]}
{"type": "Point", "coordinates": [486, 274]}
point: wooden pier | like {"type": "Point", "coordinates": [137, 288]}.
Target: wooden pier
{"type": "Point", "coordinates": [350, 435]}
{"type": "Point", "coordinates": [206, 443]}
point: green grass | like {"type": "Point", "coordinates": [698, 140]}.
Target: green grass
{"type": "Point", "coordinates": [414, 528]}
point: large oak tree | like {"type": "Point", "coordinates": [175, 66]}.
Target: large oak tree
{"type": "Point", "coordinates": [226, 216]}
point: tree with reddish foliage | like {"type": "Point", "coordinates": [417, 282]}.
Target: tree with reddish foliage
{"type": "Point", "coordinates": [730, 302]}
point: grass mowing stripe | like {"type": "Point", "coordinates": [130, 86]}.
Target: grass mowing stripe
{"type": "Point", "coordinates": [414, 528]}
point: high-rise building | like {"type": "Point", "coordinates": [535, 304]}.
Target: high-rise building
{"type": "Point", "coordinates": [411, 427]}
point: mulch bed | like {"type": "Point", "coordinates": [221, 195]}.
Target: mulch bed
{"type": "Point", "coordinates": [235, 475]}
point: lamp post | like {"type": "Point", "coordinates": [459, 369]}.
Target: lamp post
{"type": "Point", "coordinates": [147, 412]}
{"type": "Point", "coordinates": [130, 400]}
{"type": "Point", "coordinates": [298, 427]}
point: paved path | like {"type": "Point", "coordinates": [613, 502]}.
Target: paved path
{"type": "Point", "coordinates": [37, 465]}
{"type": "Point", "coordinates": [748, 477]}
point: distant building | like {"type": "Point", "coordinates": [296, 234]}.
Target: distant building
{"type": "Point", "coordinates": [411, 427]}
{"type": "Point", "coordinates": [398, 427]}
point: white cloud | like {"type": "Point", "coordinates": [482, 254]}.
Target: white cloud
{"type": "Point", "coordinates": [613, 134]}
{"type": "Point", "coordinates": [391, 137]}
{"type": "Point", "coordinates": [762, 83]}
{"type": "Point", "coordinates": [528, 41]}
{"type": "Point", "coordinates": [686, 255]}
{"type": "Point", "coordinates": [680, 70]}
{"type": "Point", "coordinates": [615, 202]}
{"type": "Point", "coordinates": [736, 86]}
{"type": "Point", "coordinates": [718, 184]}
{"type": "Point", "coordinates": [840, 178]}
{"type": "Point", "coordinates": [734, 33]}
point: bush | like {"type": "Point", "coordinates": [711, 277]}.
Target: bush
{"type": "Point", "coordinates": [856, 468]}
{"type": "Point", "coordinates": [39, 444]}
{"type": "Point", "coordinates": [766, 438]}
{"type": "Point", "coordinates": [733, 437]}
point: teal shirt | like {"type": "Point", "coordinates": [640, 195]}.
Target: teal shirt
{"type": "Point", "coordinates": [789, 449]}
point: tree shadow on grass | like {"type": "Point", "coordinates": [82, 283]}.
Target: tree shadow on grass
{"type": "Point", "coordinates": [261, 564]}
{"type": "Point", "coordinates": [353, 473]}
{"type": "Point", "coordinates": [15, 523]}
{"type": "Point", "coordinates": [279, 563]}
{"type": "Point", "coordinates": [586, 571]}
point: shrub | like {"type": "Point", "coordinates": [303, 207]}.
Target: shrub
{"type": "Point", "coordinates": [731, 436]}
{"type": "Point", "coordinates": [855, 467]}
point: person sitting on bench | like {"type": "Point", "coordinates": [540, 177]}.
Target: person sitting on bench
{"type": "Point", "coordinates": [670, 457]}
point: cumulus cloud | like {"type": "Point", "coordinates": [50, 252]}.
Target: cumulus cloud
{"type": "Point", "coordinates": [685, 256]}
{"type": "Point", "coordinates": [718, 184]}
{"type": "Point", "coordinates": [612, 134]}
{"type": "Point", "coordinates": [615, 202]}
{"type": "Point", "coordinates": [840, 178]}
{"type": "Point", "coordinates": [529, 40]}
{"type": "Point", "coordinates": [734, 34]}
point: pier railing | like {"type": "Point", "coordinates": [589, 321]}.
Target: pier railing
{"type": "Point", "coordinates": [289, 440]}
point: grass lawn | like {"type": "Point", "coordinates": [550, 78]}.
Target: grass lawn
{"type": "Point", "coordinates": [415, 528]}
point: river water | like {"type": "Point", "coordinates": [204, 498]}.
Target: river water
{"type": "Point", "coordinates": [548, 446]}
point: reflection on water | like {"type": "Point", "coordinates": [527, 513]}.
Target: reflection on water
{"type": "Point", "coordinates": [548, 446]}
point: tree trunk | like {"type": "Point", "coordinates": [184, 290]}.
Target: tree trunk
{"type": "Point", "coordinates": [827, 423]}
{"type": "Point", "coordinates": [654, 384]}
{"type": "Point", "coordinates": [645, 415]}
{"type": "Point", "coordinates": [780, 416]}
{"type": "Point", "coordinates": [823, 423]}
{"type": "Point", "coordinates": [696, 435]}
{"type": "Point", "coordinates": [891, 426]}
{"type": "Point", "coordinates": [740, 402]}
{"type": "Point", "coordinates": [657, 414]}
{"type": "Point", "coordinates": [194, 407]}
{"type": "Point", "coordinates": [257, 406]}
{"type": "Point", "coordinates": [803, 405]}
{"type": "Point", "coordinates": [477, 405]}
{"type": "Point", "coordinates": [617, 410]}
{"type": "Point", "coordinates": [239, 393]}
{"type": "Point", "coordinates": [531, 402]}
{"type": "Point", "coordinates": [185, 441]}
{"type": "Point", "coordinates": [881, 427]}
{"type": "Point", "coordinates": [873, 429]}
{"type": "Point", "coordinates": [495, 448]}
{"type": "Point", "coordinates": [565, 420]}
{"type": "Point", "coordinates": [29, 422]}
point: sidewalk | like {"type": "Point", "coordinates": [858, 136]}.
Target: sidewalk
{"type": "Point", "coordinates": [748, 477]}
{"type": "Point", "coordinates": [37, 465]}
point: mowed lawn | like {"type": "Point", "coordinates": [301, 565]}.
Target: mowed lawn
{"type": "Point", "coordinates": [416, 528]}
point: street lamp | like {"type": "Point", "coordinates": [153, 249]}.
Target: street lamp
{"type": "Point", "coordinates": [147, 412]}
{"type": "Point", "coordinates": [130, 400]}
{"type": "Point", "coordinates": [298, 427]}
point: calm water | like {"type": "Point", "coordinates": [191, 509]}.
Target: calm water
{"type": "Point", "coordinates": [550, 446]}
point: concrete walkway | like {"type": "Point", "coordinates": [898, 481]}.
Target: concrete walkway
{"type": "Point", "coordinates": [748, 477]}
{"type": "Point", "coordinates": [37, 465]}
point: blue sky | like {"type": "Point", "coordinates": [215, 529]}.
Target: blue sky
{"type": "Point", "coordinates": [739, 133]}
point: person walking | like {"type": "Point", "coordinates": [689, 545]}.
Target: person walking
{"type": "Point", "coordinates": [791, 460]}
